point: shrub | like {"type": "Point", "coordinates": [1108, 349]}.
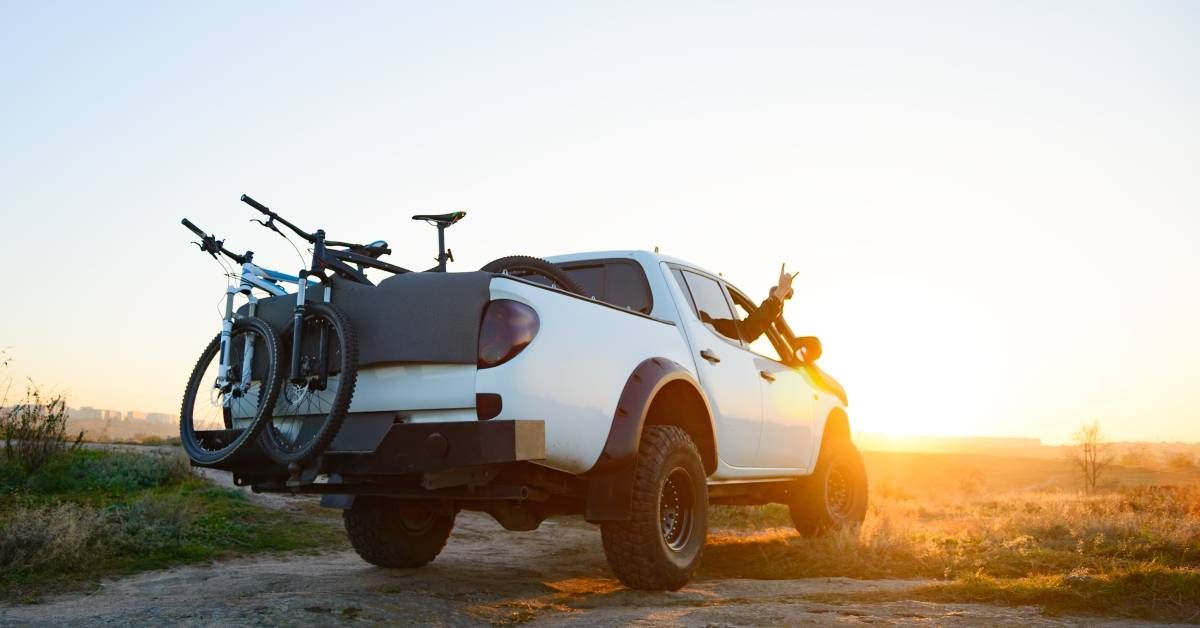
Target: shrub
{"type": "Point", "coordinates": [1180, 461]}
{"type": "Point", "coordinates": [35, 431]}
{"type": "Point", "coordinates": [50, 538]}
{"type": "Point", "coordinates": [101, 472]}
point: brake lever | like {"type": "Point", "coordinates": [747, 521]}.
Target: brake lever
{"type": "Point", "coordinates": [270, 224]}
{"type": "Point", "coordinates": [208, 247]}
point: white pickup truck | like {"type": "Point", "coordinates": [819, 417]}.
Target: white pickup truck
{"type": "Point", "coordinates": [629, 404]}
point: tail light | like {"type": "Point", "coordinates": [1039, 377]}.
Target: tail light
{"type": "Point", "coordinates": [507, 328]}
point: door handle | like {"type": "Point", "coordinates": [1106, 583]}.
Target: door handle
{"type": "Point", "coordinates": [707, 354]}
{"type": "Point", "coordinates": [767, 376]}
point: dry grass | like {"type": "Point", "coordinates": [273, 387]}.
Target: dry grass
{"type": "Point", "coordinates": [93, 513]}
{"type": "Point", "coordinates": [1132, 552]}
{"type": "Point", "coordinates": [35, 431]}
{"type": "Point", "coordinates": [1148, 592]}
{"type": "Point", "coordinates": [39, 538]}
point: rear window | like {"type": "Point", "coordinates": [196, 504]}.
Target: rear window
{"type": "Point", "coordinates": [619, 282]}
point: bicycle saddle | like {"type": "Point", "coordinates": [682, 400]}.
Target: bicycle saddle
{"type": "Point", "coordinates": [442, 219]}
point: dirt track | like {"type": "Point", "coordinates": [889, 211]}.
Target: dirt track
{"type": "Point", "coordinates": [556, 575]}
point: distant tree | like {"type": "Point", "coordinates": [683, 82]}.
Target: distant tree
{"type": "Point", "coordinates": [1092, 454]}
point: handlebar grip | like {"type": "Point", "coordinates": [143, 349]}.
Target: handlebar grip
{"type": "Point", "coordinates": [194, 229]}
{"type": "Point", "coordinates": [256, 205]}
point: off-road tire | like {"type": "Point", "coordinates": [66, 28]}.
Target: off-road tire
{"type": "Point", "coordinates": [638, 550]}
{"type": "Point", "coordinates": [379, 532]}
{"type": "Point", "coordinates": [276, 449]}
{"type": "Point", "coordinates": [270, 385]}
{"type": "Point", "coordinates": [834, 497]}
{"type": "Point", "coordinates": [521, 265]}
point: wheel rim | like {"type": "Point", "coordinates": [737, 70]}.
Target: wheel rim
{"type": "Point", "coordinates": [839, 492]}
{"type": "Point", "coordinates": [217, 413]}
{"type": "Point", "coordinates": [415, 518]}
{"type": "Point", "coordinates": [676, 505]}
{"type": "Point", "coordinates": [304, 405]}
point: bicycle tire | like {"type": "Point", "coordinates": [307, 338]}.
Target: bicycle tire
{"type": "Point", "coordinates": [525, 265]}
{"type": "Point", "coordinates": [213, 446]}
{"type": "Point", "coordinates": [329, 409]}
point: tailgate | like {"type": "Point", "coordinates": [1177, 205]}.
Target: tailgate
{"type": "Point", "coordinates": [417, 337]}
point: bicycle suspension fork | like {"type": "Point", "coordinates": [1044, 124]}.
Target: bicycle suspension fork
{"type": "Point", "coordinates": [226, 332]}
{"type": "Point", "coordinates": [223, 380]}
{"type": "Point", "coordinates": [294, 374]}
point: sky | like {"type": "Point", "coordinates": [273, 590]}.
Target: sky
{"type": "Point", "coordinates": [994, 208]}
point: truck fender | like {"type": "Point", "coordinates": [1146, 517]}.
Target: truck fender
{"type": "Point", "coordinates": [833, 427]}
{"type": "Point", "coordinates": [610, 480]}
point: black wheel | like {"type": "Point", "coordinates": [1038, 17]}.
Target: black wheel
{"type": "Point", "coordinates": [395, 532]}
{"type": "Point", "coordinates": [835, 495]}
{"type": "Point", "coordinates": [310, 409]}
{"type": "Point", "coordinates": [534, 269]}
{"type": "Point", "coordinates": [217, 418]}
{"type": "Point", "coordinates": [659, 547]}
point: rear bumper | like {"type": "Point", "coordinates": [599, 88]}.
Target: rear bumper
{"type": "Point", "coordinates": [371, 446]}
{"type": "Point", "coordinates": [424, 447]}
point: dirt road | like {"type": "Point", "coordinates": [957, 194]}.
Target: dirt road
{"type": "Point", "coordinates": [556, 575]}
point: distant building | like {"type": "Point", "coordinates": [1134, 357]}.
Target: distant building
{"type": "Point", "coordinates": [160, 417]}
{"type": "Point", "coordinates": [86, 413]}
{"type": "Point", "coordinates": [133, 415]}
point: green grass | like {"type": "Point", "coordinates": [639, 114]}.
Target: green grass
{"type": "Point", "coordinates": [91, 514]}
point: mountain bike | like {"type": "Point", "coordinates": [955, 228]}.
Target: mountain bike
{"type": "Point", "coordinates": [297, 411]}
{"type": "Point", "coordinates": [239, 386]}
{"type": "Point", "coordinates": [235, 382]}
{"type": "Point", "coordinates": [320, 345]}
{"type": "Point", "coordinates": [524, 266]}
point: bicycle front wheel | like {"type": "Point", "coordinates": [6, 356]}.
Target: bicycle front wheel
{"type": "Point", "coordinates": [219, 414]}
{"type": "Point", "coordinates": [312, 403]}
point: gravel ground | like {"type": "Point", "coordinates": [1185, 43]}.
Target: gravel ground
{"type": "Point", "coordinates": [486, 575]}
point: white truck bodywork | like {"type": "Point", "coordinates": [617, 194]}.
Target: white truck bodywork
{"type": "Point", "coordinates": [573, 372]}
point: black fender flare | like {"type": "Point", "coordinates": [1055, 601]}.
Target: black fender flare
{"type": "Point", "coordinates": [610, 479]}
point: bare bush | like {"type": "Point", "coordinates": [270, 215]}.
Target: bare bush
{"type": "Point", "coordinates": [35, 430]}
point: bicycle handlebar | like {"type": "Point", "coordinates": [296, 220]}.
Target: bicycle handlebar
{"type": "Point", "coordinates": [266, 211]}
{"type": "Point", "coordinates": [211, 245]}
{"type": "Point", "coordinates": [256, 205]}
{"type": "Point", "coordinates": [193, 228]}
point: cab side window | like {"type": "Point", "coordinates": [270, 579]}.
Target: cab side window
{"type": "Point", "coordinates": [621, 282]}
{"type": "Point", "coordinates": [710, 305]}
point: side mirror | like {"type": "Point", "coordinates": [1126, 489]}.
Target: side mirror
{"type": "Point", "coordinates": [808, 349]}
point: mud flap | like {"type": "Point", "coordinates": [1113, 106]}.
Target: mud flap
{"type": "Point", "coordinates": [610, 494]}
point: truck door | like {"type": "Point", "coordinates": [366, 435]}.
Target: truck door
{"type": "Point", "coordinates": [788, 403]}
{"type": "Point", "coordinates": [725, 368]}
